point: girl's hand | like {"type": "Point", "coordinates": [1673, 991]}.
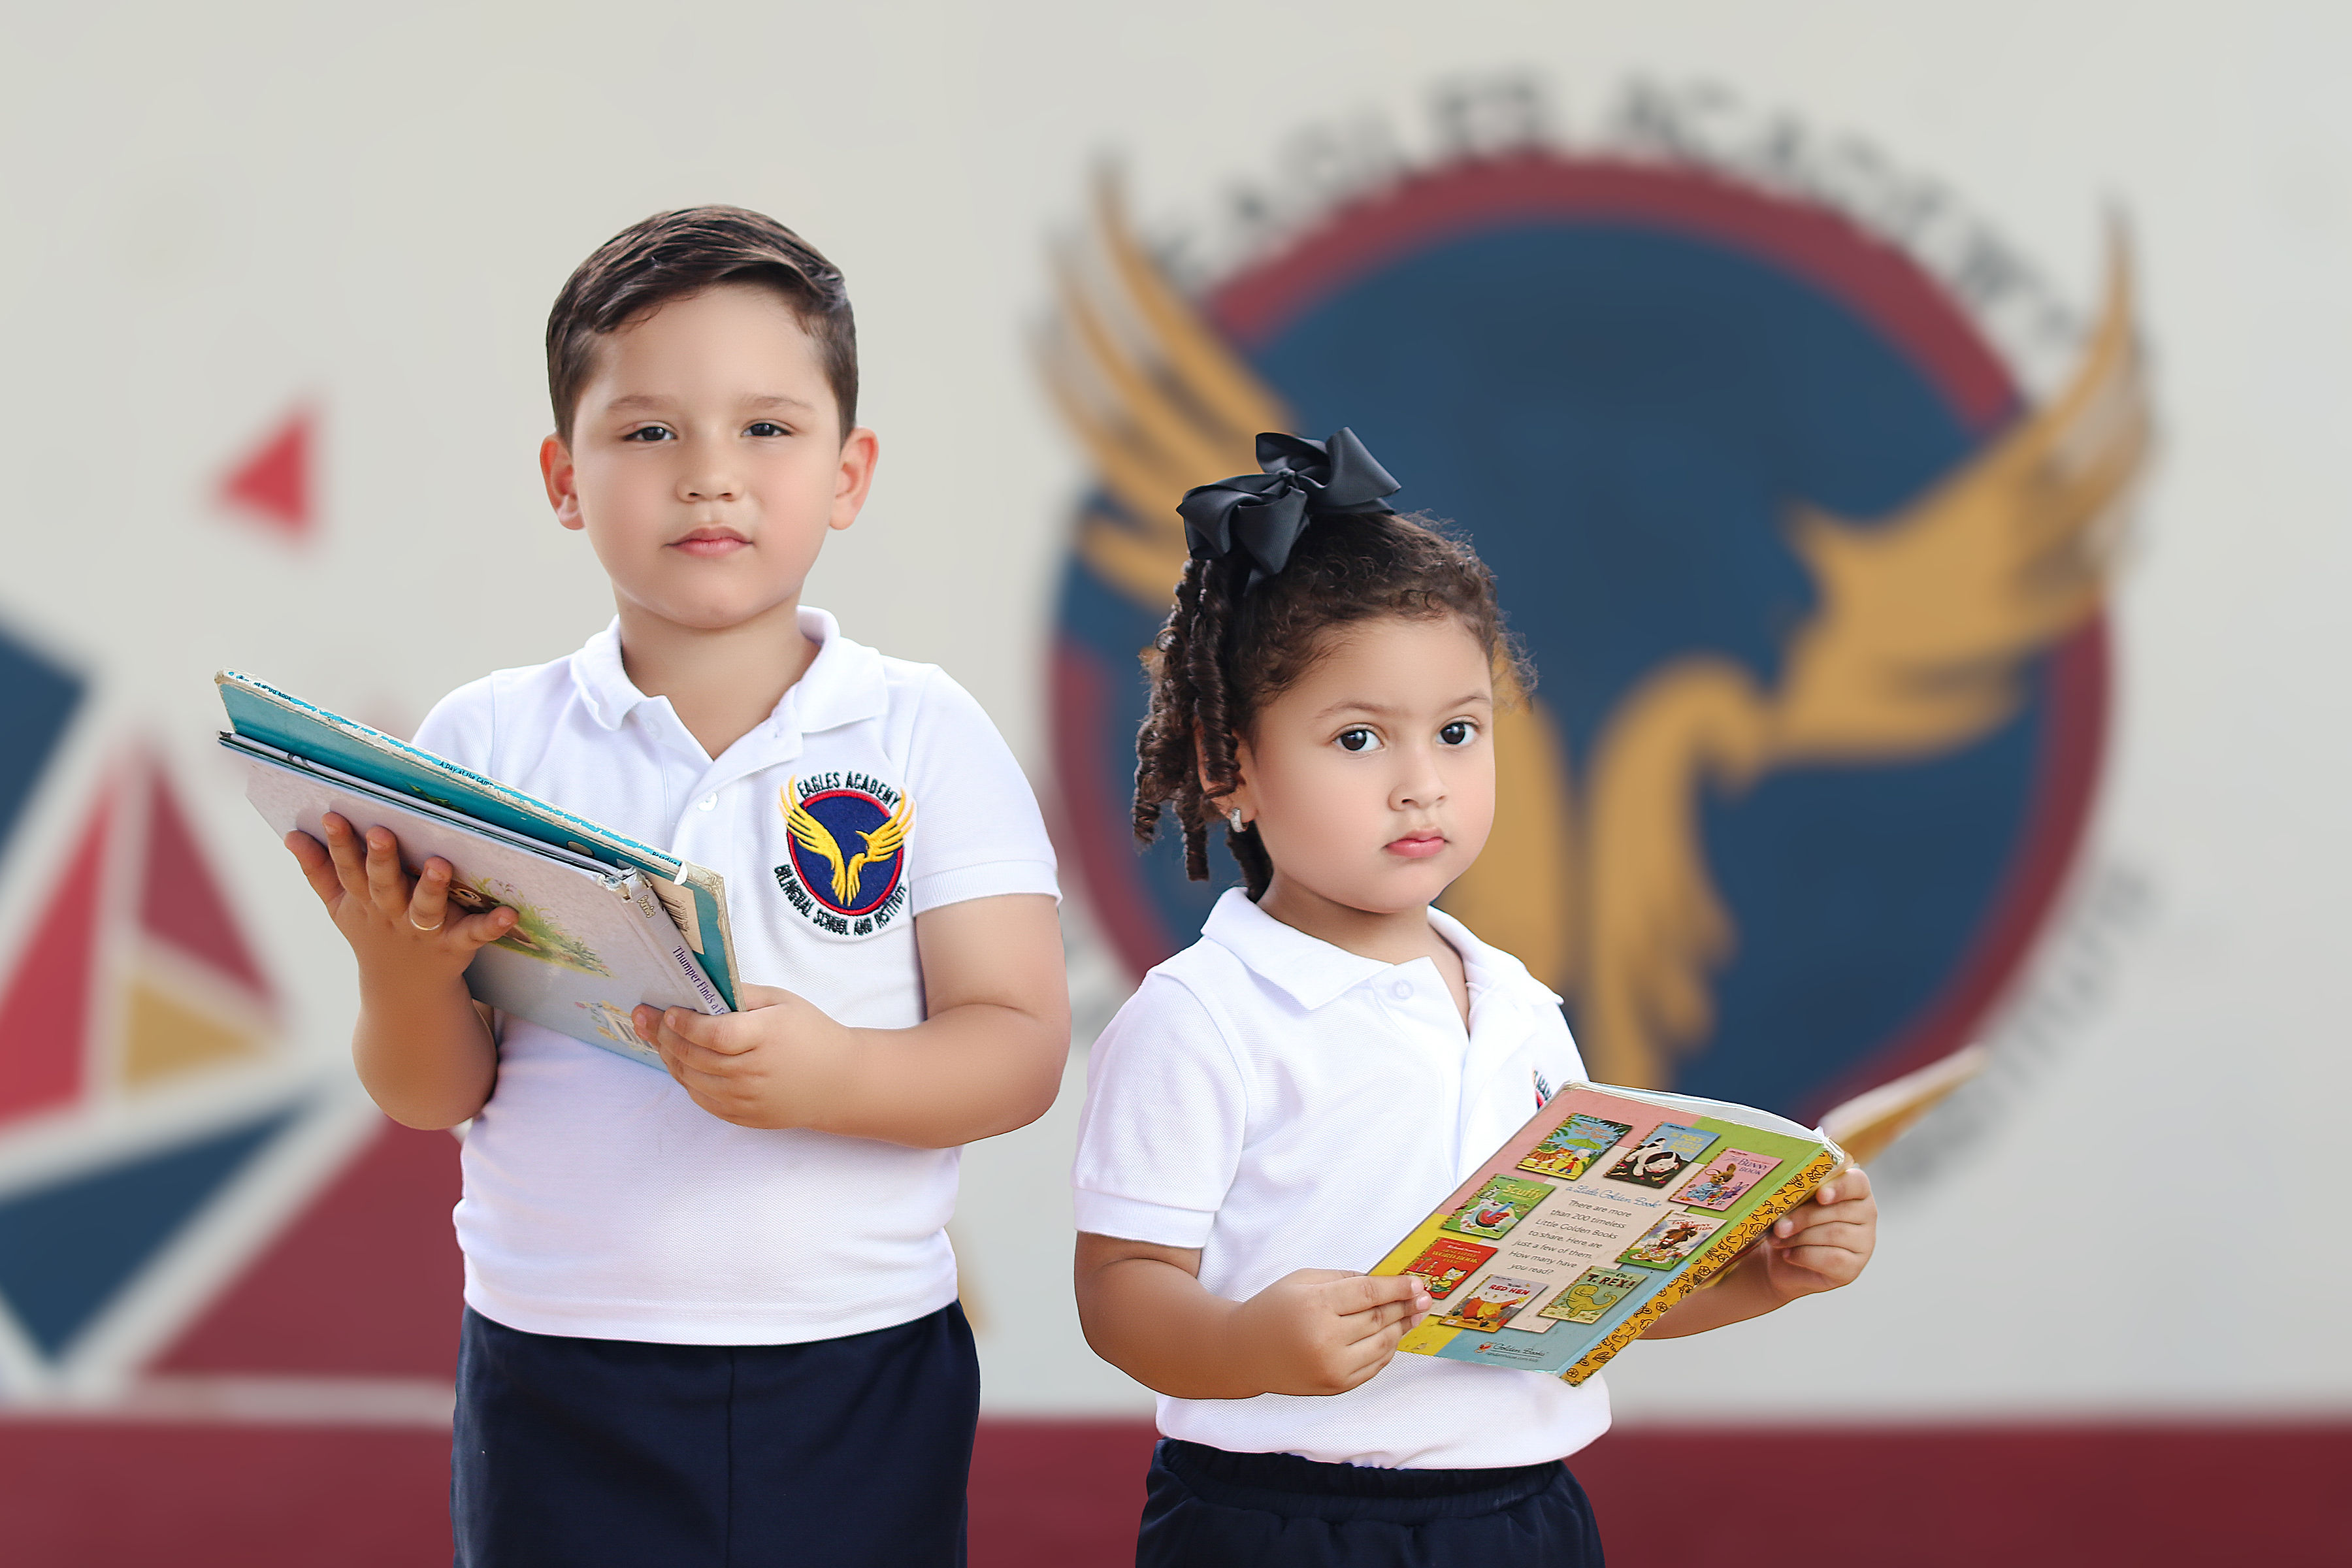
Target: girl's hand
{"type": "Point", "coordinates": [1824, 1244]}
{"type": "Point", "coordinates": [399, 928]}
{"type": "Point", "coordinates": [1323, 1331]}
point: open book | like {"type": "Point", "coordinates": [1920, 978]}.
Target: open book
{"type": "Point", "coordinates": [1595, 1217]}
{"type": "Point", "coordinates": [605, 923]}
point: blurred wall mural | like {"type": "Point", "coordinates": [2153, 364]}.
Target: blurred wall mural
{"type": "Point", "coordinates": [1812, 581]}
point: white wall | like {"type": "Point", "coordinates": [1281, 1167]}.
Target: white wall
{"type": "Point", "coordinates": [211, 214]}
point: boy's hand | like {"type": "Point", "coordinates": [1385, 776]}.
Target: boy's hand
{"type": "Point", "coordinates": [400, 928]}
{"type": "Point", "coordinates": [1823, 1244]}
{"type": "Point", "coordinates": [1323, 1330]}
{"type": "Point", "coordinates": [779, 1062]}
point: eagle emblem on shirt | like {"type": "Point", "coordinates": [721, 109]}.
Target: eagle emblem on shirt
{"type": "Point", "coordinates": [847, 835]}
{"type": "Point", "coordinates": [1920, 632]}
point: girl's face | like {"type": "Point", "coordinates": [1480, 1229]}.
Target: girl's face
{"type": "Point", "coordinates": [1372, 781]}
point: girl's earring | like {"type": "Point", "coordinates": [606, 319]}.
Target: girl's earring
{"type": "Point", "coordinates": [1233, 818]}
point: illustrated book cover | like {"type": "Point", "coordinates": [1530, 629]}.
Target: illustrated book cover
{"type": "Point", "coordinates": [1494, 1301]}
{"type": "Point", "coordinates": [1664, 1153]}
{"type": "Point", "coordinates": [1496, 1207]}
{"type": "Point", "coordinates": [1569, 1149]}
{"type": "Point", "coordinates": [1583, 1245]}
{"type": "Point", "coordinates": [1445, 1263]}
{"type": "Point", "coordinates": [695, 896]}
{"type": "Point", "coordinates": [1724, 1178]}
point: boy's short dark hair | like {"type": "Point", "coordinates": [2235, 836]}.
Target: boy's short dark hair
{"type": "Point", "coordinates": [671, 254]}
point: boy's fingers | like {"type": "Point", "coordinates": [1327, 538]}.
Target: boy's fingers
{"type": "Point", "coordinates": [486, 927]}
{"type": "Point", "coordinates": [719, 1033]}
{"type": "Point", "coordinates": [349, 854]}
{"type": "Point", "coordinates": [387, 883]}
{"type": "Point", "coordinates": [428, 901]}
{"type": "Point", "coordinates": [318, 866]}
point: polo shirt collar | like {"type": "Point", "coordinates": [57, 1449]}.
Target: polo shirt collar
{"type": "Point", "coordinates": [1314, 973]}
{"type": "Point", "coordinates": [844, 684]}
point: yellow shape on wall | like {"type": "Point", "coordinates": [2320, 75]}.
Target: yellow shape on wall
{"type": "Point", "coordinates": [166, 1036]}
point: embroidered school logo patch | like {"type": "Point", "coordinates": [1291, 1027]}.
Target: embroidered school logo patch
{"type": "Point", "coordinates": [845, 870]}
{"type": "Point", "coordinates": [1814, 578]}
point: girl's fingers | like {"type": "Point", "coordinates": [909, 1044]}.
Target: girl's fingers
{"type": "Point", "coordinates": [1832, 1263]}
{"type": "Point", "coordinates": [1380, 1320]}
{"type": "Point", "coordinates": [1839, 1234]}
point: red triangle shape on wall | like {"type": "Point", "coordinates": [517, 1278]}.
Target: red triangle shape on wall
{"type": "Point", "coordinates": [179, 900]}
{"type": "Point", "coordinates": [45, 1012]}
{"type": "Point", "coordinates": [273, 484]}
{"type": "Point", "coordinates": [366, 1280]}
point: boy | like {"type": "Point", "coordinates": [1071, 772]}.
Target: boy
{"type": "Point", "coordinates": [711, 1318]}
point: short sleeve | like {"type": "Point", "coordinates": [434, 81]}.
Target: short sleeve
{"type": "Point", "coordinates": [459, 727]}
{"type": "Point", "coordinates": [1167, 1108]}
{"type": "Point", "coordinates": [978, 833]}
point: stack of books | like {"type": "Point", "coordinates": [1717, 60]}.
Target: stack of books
{"type": "Point", "coordinates": [602, 925]}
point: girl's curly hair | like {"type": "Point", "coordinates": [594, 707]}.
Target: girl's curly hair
{"type": "Point", "coordinates": [1225, 652]}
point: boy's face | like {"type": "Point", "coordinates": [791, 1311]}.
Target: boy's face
{"type": "Point", "coordinates": [1372, 781]}
{"type": "Point", "coordinates": [707, 460]}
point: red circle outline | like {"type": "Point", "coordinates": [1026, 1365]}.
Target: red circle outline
{"type": "Point", "coordinates": [1873, 277]}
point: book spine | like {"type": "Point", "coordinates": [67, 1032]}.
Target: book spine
{"type": "Point", "coordinates": [662, 933]}
{"type": "Point", "coordinates": [1716, 1255]}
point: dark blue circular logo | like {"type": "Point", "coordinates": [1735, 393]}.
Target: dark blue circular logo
{"type": "Point", "coordinates": [1813, 594]}
{"type": "Point", "coordinates": [847, 846]}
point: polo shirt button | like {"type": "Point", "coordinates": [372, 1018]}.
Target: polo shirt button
{"type": "Point", "coordinates": [1402, 989]}
{"type": "Point", "coordinates": [706, 803]}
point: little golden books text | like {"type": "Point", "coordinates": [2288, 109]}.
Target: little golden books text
{"type": "Point", "coordinates": [1606, 1209]}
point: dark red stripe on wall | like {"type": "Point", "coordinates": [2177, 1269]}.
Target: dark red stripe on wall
{"type": "Point", "coordinates": [1066, 1494]}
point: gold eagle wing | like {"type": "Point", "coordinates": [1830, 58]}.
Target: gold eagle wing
{"type": "Point", "coordinates": [1926, 620]}
{"type": "Point", "coordinates": [816, 838]}
{"type": "Point", "coordinates": [1161, 403]}
{"type": "Point", "coordinates": [881, 843]}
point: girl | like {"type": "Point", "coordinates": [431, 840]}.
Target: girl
{"type": "Point", "coordinates": [1282, 1100]}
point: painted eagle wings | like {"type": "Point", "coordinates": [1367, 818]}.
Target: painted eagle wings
{"type": "Point", "coordinates": [881, 842]}
{"type": "Point", "coordinates": [1162, 402]}
{"type": "Point", "coordinates": [1926, 620]}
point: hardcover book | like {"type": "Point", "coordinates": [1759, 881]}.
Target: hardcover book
{"type": "Point", "coordinates": [1571, 1148]}
{"type": "Point", "coordinates": [603, 923]}
{"type": "Point", "coordinates": [1661, 1155]}
{"type": "Point", "coordinates": [1495, 1301]}
{"type": "Point", "coordinates": [1496, 1207]}
{"type": "Point", "coordinates": [1722, 1179]}
{"type": "Point", "coordinates": [1615, 1243]}
{"type": "Point", "coordinates": [1446, 1262]}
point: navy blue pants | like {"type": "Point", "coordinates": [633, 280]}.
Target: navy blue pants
{"type": "Point", "coordinates": [1204, 1508]}
{"type": "Point", "coordinates": [575, 1453]}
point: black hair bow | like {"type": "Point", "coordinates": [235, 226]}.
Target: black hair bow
{"type": "Point", "coordinates": [1263, 515]}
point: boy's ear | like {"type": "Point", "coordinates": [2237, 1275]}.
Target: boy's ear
{"type": "Point", "coordinates": [860, 450]}
{"type": "Point", "coordinates": [562, 478]}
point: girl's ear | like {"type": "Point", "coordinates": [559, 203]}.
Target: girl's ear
{"type": "Point", "coordinates": [1238, 798]}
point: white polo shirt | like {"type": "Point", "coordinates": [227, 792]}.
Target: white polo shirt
{"type": "Point", "coordinates": [1281, 1104]}
{"type": "Point", "coordinates": [599, 1200]}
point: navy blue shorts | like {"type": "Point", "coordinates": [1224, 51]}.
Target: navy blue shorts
{"type": "Point", "coordinates": [1204, 1508]}
{"type": "Point", "coordinates": [575, 1453]}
